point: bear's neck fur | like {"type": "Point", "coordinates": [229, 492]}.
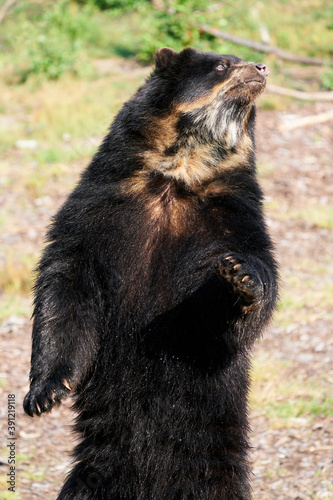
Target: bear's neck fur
{"type": "Point", "coordinates": [184, 151]}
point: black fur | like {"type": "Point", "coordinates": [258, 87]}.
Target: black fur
{"type": "Point", "coordinates": [157, 279]}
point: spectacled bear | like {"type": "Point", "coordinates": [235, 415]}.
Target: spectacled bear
{"type": "Point", "coordinates": [158, 277]}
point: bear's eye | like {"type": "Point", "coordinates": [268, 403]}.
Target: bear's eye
{"type": "Point", "coordinates": [221, 66]}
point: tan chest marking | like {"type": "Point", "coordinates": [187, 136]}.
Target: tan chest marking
{"type": "Point", "coordinates": [200, 165]}
{"type": "Point", "coordinates": [194, 167]}
{"type": "Point", "coordinates": [165, 211]}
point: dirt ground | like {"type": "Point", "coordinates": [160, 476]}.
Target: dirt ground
{"type": "Point", "coordinates": [289, 462]}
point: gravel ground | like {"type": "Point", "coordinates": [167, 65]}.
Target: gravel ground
{"type": "Point", "coordinates": [292, 461]}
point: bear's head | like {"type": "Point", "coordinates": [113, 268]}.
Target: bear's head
{"type": "Point", "coordinates": [211, 93]}
{"type": "Point", "coordinates": [194, 117]}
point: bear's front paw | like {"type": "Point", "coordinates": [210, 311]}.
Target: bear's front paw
{"type": "Point", "coordinates": [43, 396]}
{"type": "Point", "coordinates": [243, 278]}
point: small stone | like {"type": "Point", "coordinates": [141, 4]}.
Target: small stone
{"type": "Point", "coordinates": [306, 358]}
{"type": "Point", "coordinates": [320, 347]}
{"type": "Point", "coordinates": [325, 494]}
{"type": "Point", "coordinates": [44, 200]}
{"type": "Point", "coordinates": [26, 144]}
{"type": "Point", "coordinates": [66, 137]}
{"type": "Point", "coordinates": [29, 435]}
{"type": "Point", "coordinates": [277, 484]}
{"type": "Point", "coordinates": [32, 234]}
{"type": "Point", "coordinates": [283, 452]}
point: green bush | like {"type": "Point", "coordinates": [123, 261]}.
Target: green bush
{"type": "Point", "coordinates": [115, 4]}
{"type": "Point", "coordinates": [52, 42]}
{"type": "Point", "coordinates": [171, 31]}
{"type": "Point", "coordinates": [175, 27]}
{"type": "Point", "coordinates": [48, 55]}
{"type": "Point", "coordinates": [327, 77]}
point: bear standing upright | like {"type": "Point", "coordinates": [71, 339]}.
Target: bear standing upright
{"type": "Point", "coordinates": [158, 277]}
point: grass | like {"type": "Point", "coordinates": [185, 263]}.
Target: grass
{"type": "Point", "coordinates": [78, 108]}
{"type": "Point", "coordinates": [8, 495]}
{"type": "Point", "coordinates": [15, 276]}
{"type": "Point", "coordinates": [296, 407]}
{"type": "Point", "coordinates": [282, 398]}
{"type": "Point", "coordinates": [320, 216]}
{"type": "Point", "coordinates": [306, 291]}
{"type": "Point", "coordinates": [20, 458]}
{"type": "Point", "coordinates": [305, 295]}
{"type": "Point", "coordinates": [37, 475]}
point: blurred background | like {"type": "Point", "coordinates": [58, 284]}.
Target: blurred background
{"type": "Point", "coordinates": [66, 68]}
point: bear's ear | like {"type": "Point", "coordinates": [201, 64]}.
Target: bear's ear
{"type": "Point", "coordinates": [165, 57]}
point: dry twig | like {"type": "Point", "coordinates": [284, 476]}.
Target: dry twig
{"type": "Point", "coordinates": [261, 47]}
{"type": "Point", "coordinates": [5, 7]}
{"type": "Point", "coordinates": [300, 94]}
{"type": "Point", "coordinates": [307, 120]}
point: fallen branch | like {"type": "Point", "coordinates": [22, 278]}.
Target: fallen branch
{"type": "Point", "coordinates": [260, 47]}
{"type": "Point", "coordinates": [299, 94]}
{"type": "Point", "coordinates": [5, 7]}
{"type": "Point", "coordinates": [307, 120]}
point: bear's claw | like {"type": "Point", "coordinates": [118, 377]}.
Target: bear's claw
{"type": "Point", "coordinates": [242, 276]}
{"type": "Point", "coordinates": [43, 397]}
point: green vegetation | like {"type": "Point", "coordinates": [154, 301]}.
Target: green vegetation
{"type": "Point", "coordinates": [118, 5]}
{"type": "Point", "coordinates": [45, 43]}
{"type": "Point", "coordinates": [45, 40]}
{"type": "Point", "coordinates": [282, 398]}
{"type": "Point", "coordinates": [320, 216]}
{"type": "Point", "coordinates": [327, 77]}
{"type": "Point", "coordinates": [36, 475]}
{"type": "Point", "coordinates": [5, 494]}
{"type": "Point", "coordinates": [299, 406]}
{"type": "Point", "coordinates": [9, 495]}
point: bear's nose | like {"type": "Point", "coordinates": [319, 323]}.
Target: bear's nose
{"type": "Point", "coordinates": [263, 70]}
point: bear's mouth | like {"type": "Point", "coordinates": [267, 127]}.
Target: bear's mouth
{"type": "Point", "coordinates": [254, 83]}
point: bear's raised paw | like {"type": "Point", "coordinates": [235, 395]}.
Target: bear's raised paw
{"type": "Point", "coordinates": [43, 396]}
{"type": "Point", "coordinates": [242, 276]}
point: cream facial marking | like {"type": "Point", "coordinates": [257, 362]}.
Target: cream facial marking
{"type": "Point", "coordinates": [193, 162]}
